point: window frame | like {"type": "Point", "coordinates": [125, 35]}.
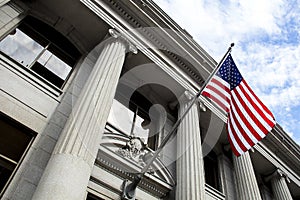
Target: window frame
{"type": "Point", "coordinates": [17, 125]}
{"type": "Point", "coordinates": [212, 173]}
{"type": "Point", "coordinates": [50, 40]}
{"type": "Point", "coordinates": [152, 142]}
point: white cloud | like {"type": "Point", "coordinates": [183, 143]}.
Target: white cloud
{"type": "Point", "coordinates": [273, 71]}
{"type": "Point", "coordinates": [212, 22]}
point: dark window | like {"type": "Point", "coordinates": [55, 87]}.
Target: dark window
{"type": "Point", "coordinates": [211, 170]}
{"type": "Point", "coordinates": [14, 141]}
{"type": "Point", "coordinates": [42, 49]}
{"type": "Point", "coordinates": [93, 197]}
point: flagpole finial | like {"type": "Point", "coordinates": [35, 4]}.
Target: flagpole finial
{"type": "Point", "coordinates": [229, 49]}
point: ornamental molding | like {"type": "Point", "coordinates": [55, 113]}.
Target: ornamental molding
{"type": "Point", "coordinates": [130, 46]}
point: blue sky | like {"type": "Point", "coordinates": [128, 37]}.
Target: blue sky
{"type": "Point", "coordinates": [266, 34]}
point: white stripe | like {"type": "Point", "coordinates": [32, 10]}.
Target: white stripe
{"type": "Point", "coordinates": [257, 103]}
{"type": "Point", "coordinates": [238, 133]}
{"type": "Point", "coordinates": [248, 118]}
{"type": "Point", "coordinates": [235, 144]}
{"type": "Point", "coordinates": [240, 121]}
{"type": "Point", "coordinates": [225, 83]}
{"type": "Point", "coordinates": [256, 114]}
{"type": "Point", "coordinates": [227, 94]}
{"type": "Point", "coordinates": [217, 96]}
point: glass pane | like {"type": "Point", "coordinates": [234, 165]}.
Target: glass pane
{"type": "Point", "coordinates": [20, 47]}
{"type": "Point", "coordinates": [139, 131]}
{"type": "Point", "coordinates": [6, 170]}
{"type": "Point", "coordinates": [54, 64]}
{"type": "Point", "coordinates": [121, 117]}
{"type": "Point", "coordinates": [13, 143]}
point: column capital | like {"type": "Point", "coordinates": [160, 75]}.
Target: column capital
{"type": "Point", "coordinates": [279, 185]}
{"type": "Point", "coordinates": [278, 173]}
{"type": "Point", "coordinates": [130, 47]}
{"type": "Point", "coordinates": [184, 98]}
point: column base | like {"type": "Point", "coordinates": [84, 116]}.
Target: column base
{"type": "Point", "coordinates": [64, 179]}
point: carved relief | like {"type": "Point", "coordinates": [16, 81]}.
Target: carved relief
{"type": "Point", "coordinates": [134, 149]}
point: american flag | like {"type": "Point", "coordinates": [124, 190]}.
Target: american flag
{"type": "Point", "coordinates": [249, 120]}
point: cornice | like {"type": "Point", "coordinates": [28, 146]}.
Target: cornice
{"type": "Point", "coordinates": [284, 147]}
{"type": "Point", "coordinates": [165, 36]}
{"type": "Point", "coordinates": [283, 165]}
{"type": "Point", "coordinates": [287, 140]}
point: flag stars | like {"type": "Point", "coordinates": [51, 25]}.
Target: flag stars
{"type": "Point", "coordinates": [229, 72]}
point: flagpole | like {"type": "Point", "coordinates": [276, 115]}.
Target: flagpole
{"type": "Point", "coordinates": [129, 189]}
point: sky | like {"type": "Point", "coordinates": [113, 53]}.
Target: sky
{"type": "Point", "coordinates": [266, 34]}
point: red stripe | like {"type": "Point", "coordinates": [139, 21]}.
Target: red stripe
{"type": "Point", "coordinates": [258, 110]}
{"type": "Point", "coordinates": [243, 118]}
{"type": "Point", "coordinates": [220, 84]}
{"type": "Point", "coordinates": [236, 137]}
{"type": "Point", "coordinates": [218, 92]}
{"type": "Point", "coordinates": [258, 100]}
{"type": "Point", "coordinates": [217, 101]}
{"type": "Point", "coordinates": [242, 131]}
{"type": "Point", "coordinates": [231, 143]}
{"type": "Point", "coordinates": [250, 113]}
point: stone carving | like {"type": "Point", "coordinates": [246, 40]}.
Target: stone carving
{"type": "Point", "coordinates": [134, 149]}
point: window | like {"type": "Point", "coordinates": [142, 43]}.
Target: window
{"type": "Point", "coordinates": [14, 141]}
{"type": "Point", "coordinates": [211, 170]}
{"type": "Point", "coordinates": [134, 119]}
{"type": "Point", "coordinates": [132, 122]}
{"type": "Point", "coordinates": [92, 197]}
{"type": "Point", "coordinates": [37, 46]}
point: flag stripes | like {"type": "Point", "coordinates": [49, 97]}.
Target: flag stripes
{"type": "Point", "coordinates": [249, 120]}
{"type": "Point", "coordinates": [257, 102]}
{"type": "Point", "coordinates": [219, 91]}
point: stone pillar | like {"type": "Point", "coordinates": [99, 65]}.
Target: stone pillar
{"type": "Point", "coordinates": [245, 176]}
{"type": "Point", "coordinates": [279, 186]}
{"type": "Point", "coordinates": [68, 171]}
{"type": "Point", "coordinates": [189, 165]}
{"type": "Point", "coordinates": [2, 2]}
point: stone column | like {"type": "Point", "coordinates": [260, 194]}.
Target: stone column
{"type": "Point", "coordinates": [245, 176]}
{"type": "Point", "coordinates": [68, 171]}
{"type": "Point", "coordinates": [2, 2]}
{"type": "Point", "coordinates": [189, 165]}
{"type": "Point", "coordinates": [279, 186]}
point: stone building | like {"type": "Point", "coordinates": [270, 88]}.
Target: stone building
{"type": "Point", "coordinates": [89, 89]}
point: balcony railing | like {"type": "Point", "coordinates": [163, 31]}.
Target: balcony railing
{"type": "Point", "coordinates": [212, 194]}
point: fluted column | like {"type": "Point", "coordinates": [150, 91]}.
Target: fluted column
{"type": "Point", "coordinates": [3, 2]}
{"type": "Point", "coordinates": [280, 187]}
{"type": "Point", "coordinates": [67, 173]}
{"type": "Point", "coordinates": [189, 167]}
{"type": "Point", "coordinates": [246, 180]}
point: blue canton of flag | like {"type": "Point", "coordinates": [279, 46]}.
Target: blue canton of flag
{"type": "Point", "coordinates": [230, 73]}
